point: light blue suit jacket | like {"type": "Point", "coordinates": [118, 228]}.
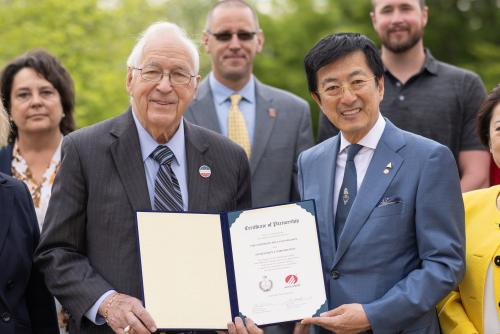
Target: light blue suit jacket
{"type": "Point", "coordinates": [402, 247]}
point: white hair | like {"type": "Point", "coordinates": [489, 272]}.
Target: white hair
{"type": "Point", "coordinates": [160, 29]}
{"type": "Point", "coordinates": [4, 125]}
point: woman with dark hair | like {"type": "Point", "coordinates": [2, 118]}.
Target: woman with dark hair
{"type": "Point", "coordinates": [474, 307]}
{"type": "Point", "coordinates": [38, 94]}
{"type": "Point", "coordinates": [26, 306]}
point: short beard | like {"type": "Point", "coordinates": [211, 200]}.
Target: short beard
{"type": "Point", "coordinates": [400, 47]}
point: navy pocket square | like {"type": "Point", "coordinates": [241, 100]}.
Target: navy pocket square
{"type": "Point", "coordinates": [388, 201]}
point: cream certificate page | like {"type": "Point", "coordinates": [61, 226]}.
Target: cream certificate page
{"type": "Point", "coordinates": [183, 270]}
{"type": "Point", "coordinates": [277, 263]}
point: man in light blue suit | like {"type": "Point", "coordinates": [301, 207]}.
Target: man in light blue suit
{"type": "Point", "coordinates": [391, 217]}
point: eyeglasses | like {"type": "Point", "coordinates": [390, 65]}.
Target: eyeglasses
{"type": "Point", "coordinates": [336, 90]}
{"type": "Point", "coordinates": [155, 74]}
{"type": "Point", "coordinates": [226, 36]}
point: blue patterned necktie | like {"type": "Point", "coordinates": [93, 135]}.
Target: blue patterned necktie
{"type": "Point", "coordinates": [348, 191]}
{"type": "Point", "coordinates": [167, 191]}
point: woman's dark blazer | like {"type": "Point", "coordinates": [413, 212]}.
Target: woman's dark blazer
{"type": "Point", "coordinates": [26, 306]}
{"type": "Point", "coordinates": [6, 159]}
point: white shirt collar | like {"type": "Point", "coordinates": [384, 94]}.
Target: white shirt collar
{"type": "Point", "coordinates": [149, 144]}
{"type": "Point", "coordinates": [370, 140]}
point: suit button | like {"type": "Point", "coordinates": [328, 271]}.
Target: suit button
{"type": "Point", "coordinates": [335, 274]}
{"type": "Point", "coordinates": [5, 317]}
{"type": "Point", "coordinates": [497, 260]}
{"type": "Point", "coordinates": [10, 285]}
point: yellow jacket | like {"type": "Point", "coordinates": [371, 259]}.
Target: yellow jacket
{"type": "Point", "coordinates": [462, 310]}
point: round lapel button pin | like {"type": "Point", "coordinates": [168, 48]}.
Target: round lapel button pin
{"type": "Point", "coordinates": [205, 171]}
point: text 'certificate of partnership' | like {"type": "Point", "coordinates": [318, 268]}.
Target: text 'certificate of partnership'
{"type": "Point", "coordinates": [277, 262]}
{"type": "Point", "coordinates": [199, 271]}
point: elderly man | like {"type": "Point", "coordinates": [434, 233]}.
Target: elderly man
{"type": "Point", "coordinates": [147, 158]}
{"type": "Point", "coordinates": [273, 126]}
{"type": "Point", "coordinates": [426, 96]}
{"type": "Point", "coordinates": [389, 208]}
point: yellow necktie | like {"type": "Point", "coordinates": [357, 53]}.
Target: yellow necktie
{"type": "Point", "coordinates": [237, 129]}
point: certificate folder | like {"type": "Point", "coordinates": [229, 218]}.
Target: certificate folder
{"type": "Point", "coordinates": [199, 271]}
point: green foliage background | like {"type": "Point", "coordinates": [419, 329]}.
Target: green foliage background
{"type": "Point", "coordinates": [92, 38]}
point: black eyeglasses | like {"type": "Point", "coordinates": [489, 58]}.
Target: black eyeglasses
{"type": "Point", "coordinates": [225, 36]}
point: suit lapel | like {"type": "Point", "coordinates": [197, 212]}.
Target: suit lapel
{"type": "Point", "coordinates": [198, 187]}
{"type": "Point", "coordinates": [263, 124]}
{"type": "Point", "coordinates": [126, 154]}
{"type": "Point", "coordinates": [327, 163]}
{"type": "Point", "coordinates": [6, 212]}
{"type": "Point", "coordinates": [374, 185]}
{"type": "Point", "coordinates": [203, 109]}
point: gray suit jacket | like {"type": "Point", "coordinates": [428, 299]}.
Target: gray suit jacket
{"type": "Point", "coordinates": [402, 247]}
{"type": "Point", "coordinates": [282, 131]}
{"type": "Point", "coordinates": [89, 242]}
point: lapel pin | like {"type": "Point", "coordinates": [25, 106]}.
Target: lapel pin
{"type": "Point", "coordinates": [205, 171]}
{"type": "Point", "coordinates": [272, 112]}
{"type": "Point", "coordinates": [345, 197]}
{"type": "Point", "coordinates": [388, 168]}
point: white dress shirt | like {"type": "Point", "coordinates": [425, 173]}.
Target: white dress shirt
{"type": "Point", "coordinates": [491, 321]}
{"type": "Point", "coordinates": [361, 160]}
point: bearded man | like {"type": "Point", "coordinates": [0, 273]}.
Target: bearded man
{"type": "Point", "coordinates": [423, 95]}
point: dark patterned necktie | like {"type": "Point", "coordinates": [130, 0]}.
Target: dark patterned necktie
{"type": "Point", "coordinates": [348, 191]}
{"type": "Point", "coordinates": [167, 191]}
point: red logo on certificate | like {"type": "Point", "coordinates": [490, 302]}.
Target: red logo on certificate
{"type": "Point", "coordinates": [291, 279]}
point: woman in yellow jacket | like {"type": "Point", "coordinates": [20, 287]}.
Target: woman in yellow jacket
{"type": "Point", "coordinates": [475, 306]}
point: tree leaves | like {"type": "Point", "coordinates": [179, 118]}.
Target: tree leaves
{"type": "Point", "coordinates": [93, 38]}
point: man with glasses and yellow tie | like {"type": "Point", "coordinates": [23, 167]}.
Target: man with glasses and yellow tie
{"type": "Point", "coordinates": [273, 126]}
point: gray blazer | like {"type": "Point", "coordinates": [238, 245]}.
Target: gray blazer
{"type": "Point", "coordinates": [282, 131]}
{"type": "Point", "coordinates": [89, 242]}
